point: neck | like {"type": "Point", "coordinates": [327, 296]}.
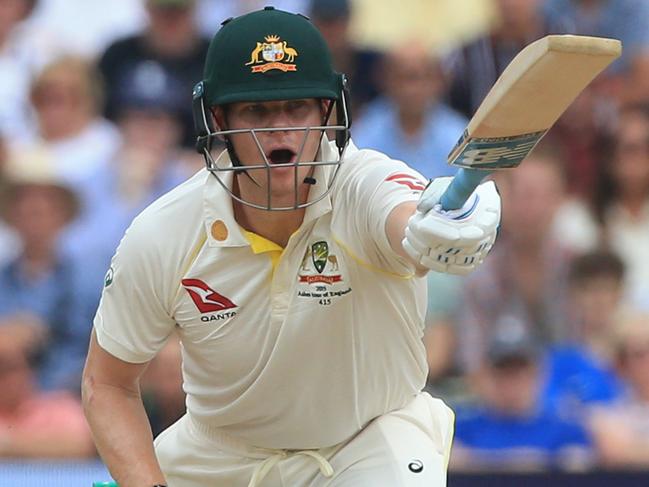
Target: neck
{"type": "Point", "coordinates": [54, 133]}
{"type": "Point", "coordinates": [168, 46]}
{"type": "Point", "coordinates": [411, 123]}
{"type": "Point", "coordinates": [276, 226]}
{"type": "Point", "coordinates": [37, 260]}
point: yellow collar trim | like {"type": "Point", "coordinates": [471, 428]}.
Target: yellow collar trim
{"type": "Point", "coordinates": [260, 244]}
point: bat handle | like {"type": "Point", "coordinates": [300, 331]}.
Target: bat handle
{"type": "Point", "coordinates": [463, 184]}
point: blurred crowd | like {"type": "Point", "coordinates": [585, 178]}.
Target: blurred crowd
{"type": "Point", "coordinates": [543, 352]}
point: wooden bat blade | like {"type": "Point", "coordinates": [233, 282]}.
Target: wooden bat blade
{"type": "Point", "coordinates": [526, 100]}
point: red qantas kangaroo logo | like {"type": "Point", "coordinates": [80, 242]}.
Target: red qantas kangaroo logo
{"type": "Point", "coordinates": [205, 298]}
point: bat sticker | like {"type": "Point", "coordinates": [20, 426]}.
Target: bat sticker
{"type": "Point", "coordinates": [496, 152]}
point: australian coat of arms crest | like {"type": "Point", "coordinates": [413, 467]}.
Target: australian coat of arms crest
{"type": "Point", "coordinates": [274, 53]}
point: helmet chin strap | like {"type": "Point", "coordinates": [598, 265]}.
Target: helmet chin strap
{"type": "Point", "coordinates": [236, 161]}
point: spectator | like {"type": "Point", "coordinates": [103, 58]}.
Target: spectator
{"type": "Point", "coordinates": [173, 42]}
{"type": "Point", "coordinates": [148, 163]}
{"type": "Point", "coordinates": [621, 430]}
{"type": "Point", "coordinates": [623, 199]}
{"type": "Point", "coordinates": [34, 424]}
{"type": "Point", "coordinates": [24, 50]}
{"type": "Point", "coordinates": [66, 96]}
{"type": "Point", "coordinates": [627, 20]}
{"type": "Point", "coordinates": [45, 303]}
{"type": "Point", "coordinates": [509, 428]}
{"type": "Point", "coordinates": [411, 123]}
{"type": "Point", "coordinates": [582, 133]}
{"type": "Point", "coordinates": [526, 274]}
{"type": "Point", "coordinates": [573, 225]}
{"type": "Point", "coordinates": [591, 118]}
{"type": "Point", "coordinates": [581, 371]}
{"type": "Point", "coordinates": [597, 282]}
{"type": "Point", "coordinates": [332, 18]}
{"type": "Point", "coordinates": [476, 67]}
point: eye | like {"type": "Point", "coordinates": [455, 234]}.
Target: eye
{"type": "Point", "coordinates": [298, 108]}
{"type": "Point", "coordinates": [256, 109]}
{"type": "Point", "coordinates": [295, 104]}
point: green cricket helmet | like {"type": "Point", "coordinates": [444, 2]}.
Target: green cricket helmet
{"type": "Point", "coordinates": [268, 55]}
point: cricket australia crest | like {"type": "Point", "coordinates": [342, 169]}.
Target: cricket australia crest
{"type": "Point", "coordinates": [320, 276]}
{"type": "Point", "coordinates": [319, 265]}
{"type": "Point", "coordinates": [319, 254]}
{"type": "Point", "coordinates": [272, 54]}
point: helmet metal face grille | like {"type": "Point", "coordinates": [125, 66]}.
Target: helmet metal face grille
{"type": "Point", "coordinates": [219, 170]}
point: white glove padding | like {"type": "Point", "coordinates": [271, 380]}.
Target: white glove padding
{"type": "Point", "coordinates": [454, 241]}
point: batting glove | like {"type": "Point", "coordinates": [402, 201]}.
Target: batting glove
{"type": "Point", "coordinates": [454, 241]}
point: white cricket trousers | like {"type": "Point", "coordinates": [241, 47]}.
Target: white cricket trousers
{"type": "Point", "coordinates": [409, 447]}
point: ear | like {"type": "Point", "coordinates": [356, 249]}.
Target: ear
{"type": "Point", "coordinates": [218, 117]}
{"type": "Point", "coordinates": [325, 105]}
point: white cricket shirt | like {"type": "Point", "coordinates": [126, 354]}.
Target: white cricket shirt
{"type": "Point", "coordinates": [293, 348]}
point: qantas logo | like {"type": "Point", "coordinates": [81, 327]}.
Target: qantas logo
{"type": "Point", "coordinates": [409, 180]}
{"type": "Point", "coordinates": [206, 299]}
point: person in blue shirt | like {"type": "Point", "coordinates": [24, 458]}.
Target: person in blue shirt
{"type": "Point", "coordinates": [46, 302]}
{"type": "Point", "coordinates": [410, 122]}
{"type": "Point", "coordinates": [580, 371]}
{"type": "Point", "coordinates": [509, 428]}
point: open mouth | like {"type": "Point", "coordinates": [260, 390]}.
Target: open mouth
{"type": "Point", "coordinates": [281, 156]}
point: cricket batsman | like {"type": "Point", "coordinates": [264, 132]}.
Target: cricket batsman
{"type": "Point", "coordinates": [293, 269]}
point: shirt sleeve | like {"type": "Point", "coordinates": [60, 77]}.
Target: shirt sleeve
{"type": "Point", "coordinates": [371, 186]}
{"type": "Point", "coordinates": [134, 320]}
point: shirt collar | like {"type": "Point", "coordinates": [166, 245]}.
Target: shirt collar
{"type": "Point", "coordinates": [220, 226]}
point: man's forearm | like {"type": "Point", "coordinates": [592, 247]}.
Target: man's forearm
{"type": "Point", "coordinates": [122, 434]}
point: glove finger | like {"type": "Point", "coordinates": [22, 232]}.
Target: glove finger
{"type": "Point", "coordinates": [410, 250]}
{"type": "Point", "coordinates": [416, 243]}
{"type": "Point", "coordinates": [437, 259]}
{"type": "Point", "coordinates": [482, 246]}
{"type": "Point", "coordinates": [433, 264]}
{"type": "Point", "coordinates": [460, 270]}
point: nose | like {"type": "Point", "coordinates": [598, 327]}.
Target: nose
{"type": "Point", "coordinates": [279, 118]}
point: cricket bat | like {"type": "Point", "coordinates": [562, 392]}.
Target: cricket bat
{"type": "Point", "coordinates": [528, 97]}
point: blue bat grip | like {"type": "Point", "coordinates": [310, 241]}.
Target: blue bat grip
{"type": "Point", "coordinates": [463, 184]}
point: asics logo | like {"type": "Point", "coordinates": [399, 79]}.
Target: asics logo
{"type": "Point", "coordinates": [416, 466]}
